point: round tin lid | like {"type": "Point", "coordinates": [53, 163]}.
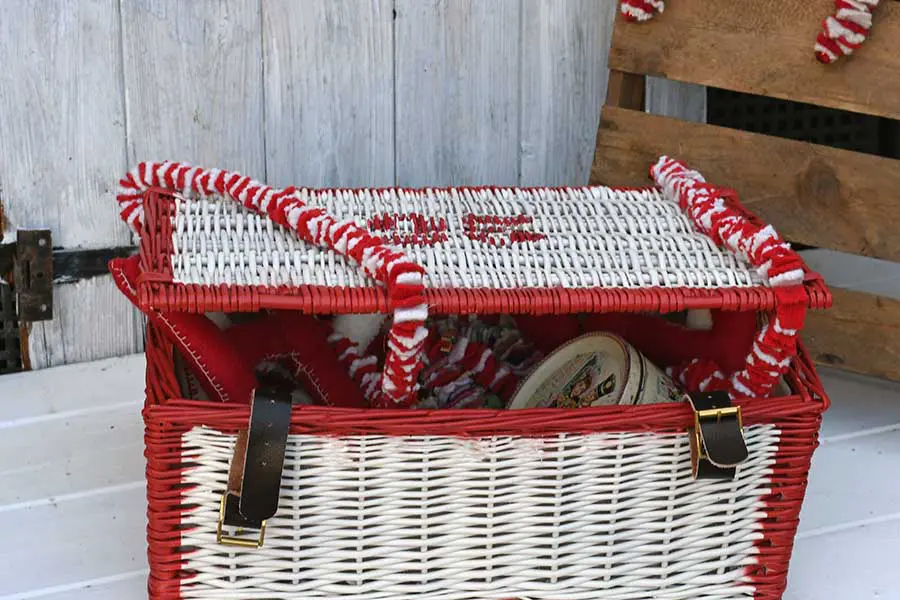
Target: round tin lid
{"type": "Point", "coordinates": [591, 370]}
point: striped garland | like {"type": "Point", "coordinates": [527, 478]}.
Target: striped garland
{"type": "Point", "coordinates": [846, 30]}
{"type": "Point", "coordinates": [467, 362]}
{"type": "Point", "coordinates": [403, 277]}
{"type": "Point", "coordinates": [641, 10]}
{"type": "Point", "coordinates": [842, 33]}
{"type": "Point", "coordinates": [717, 212]}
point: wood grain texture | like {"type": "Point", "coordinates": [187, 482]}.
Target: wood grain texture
{"type": "Point", "coordinates": [563, 83]}
{"type": "Point", "coordinates": [62, 143]}
{"type": "Point", "coordinates": [765, 47]}
{"type": "Point", "coordinates": [457, 84]}
{"type": "Point", "coordinates": [860, 333]}
{"type": "Point", "coordinates": [193, 76]}
{"type": "Point", "coordinates": [91, 320]}
{"type": "Point", "coordinates": [677, 99]}
{"type": "Point", "coordinates": [329, 85]}
{"type": "Point", "coordinates": [627, 90]}
{"type": "Point", "coordinates": [812, 194]}
{"type": "Point", "coordinates": [62, 124]}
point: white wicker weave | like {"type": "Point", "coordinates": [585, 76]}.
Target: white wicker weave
{"type": "Point", "coordinates": [564, 518]}
{"type": "Point", "coordinates": [593, 237]}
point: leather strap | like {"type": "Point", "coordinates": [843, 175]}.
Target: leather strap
{"type": "Point", "coordinates": [717, 438]}
{"type": "Point", "coordinates": [254, 480]}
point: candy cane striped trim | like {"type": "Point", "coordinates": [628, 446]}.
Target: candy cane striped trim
{"type": "Point", "coordinates": [716, 212]}
{"type": "Point", "coordinates": [287, 207]}
{"type": "Point", "coordinates": [846, 30]}
{"type": "Point", "coordinates": [842, 33]}
{"type": "Point", "coordinates": [641, 10]}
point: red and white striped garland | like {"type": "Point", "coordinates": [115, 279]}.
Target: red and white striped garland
{"type": "Point", "coordinates": [846, 30]}
{"type": "Point", "coordinates": [717, 212]}
{"type": "Point", "coordinates": [403, 277]}
{"type": "Point", "coordinates": [641, 10]}
{"type": "Point", "coordinates": [842, 33]}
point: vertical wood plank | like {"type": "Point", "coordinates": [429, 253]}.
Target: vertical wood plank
{"type": "Point", "coordinates": [91, 320]}
{"type": "Point", "coordinates": [329, 85]}
{"type": "Point", "coordinates": [62, 143]}
{"type": "Point", "coordinates": [193, 76]}
{"type": "Point", "coordinates": [62, 123]}
{"type": "Point", "coordinates": [565, 44]}
{"type": "Point", "coordinates": [676, 99]}
{"type": "Point", "coordinates": [457, 92]}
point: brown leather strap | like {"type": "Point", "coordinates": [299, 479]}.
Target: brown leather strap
{"type": "Point", "coordinates": [236, 472]}
{"type": "Point", "coordinates": [717, 438]}
{"type": "Point", "coordinates": [254, 479]}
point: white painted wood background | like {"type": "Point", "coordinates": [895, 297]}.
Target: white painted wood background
{"type": "Point", "coordinates": [311, 92]}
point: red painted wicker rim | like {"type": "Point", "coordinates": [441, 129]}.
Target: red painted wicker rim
{"type": "Point", "coordinates": [808, 399]}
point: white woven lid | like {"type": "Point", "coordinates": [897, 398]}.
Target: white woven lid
{"type": "Point", "coordinates": [498, 238]}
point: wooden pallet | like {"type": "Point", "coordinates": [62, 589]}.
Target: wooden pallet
{"type": "Point", "coordinates": [814, 195]}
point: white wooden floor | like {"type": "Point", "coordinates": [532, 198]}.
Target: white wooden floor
{"type": "Point", "coordinates": [72, 497]}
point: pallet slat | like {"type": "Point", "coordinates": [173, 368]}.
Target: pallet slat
{"type": "Point", "coordinates": [812, 194]}
{"type": "Point", "coordinates": [859, 333]}
{"type": "Point", "coordinates": [766, 47]}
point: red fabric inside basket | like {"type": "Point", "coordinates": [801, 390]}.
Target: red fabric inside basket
{"type": "Point", "coordinates": [663, 342]}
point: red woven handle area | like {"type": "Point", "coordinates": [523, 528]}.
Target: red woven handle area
{"type": "Point", "coordinates": [717, 212]}
{"type": "Point", "coordinates": [402, 277]}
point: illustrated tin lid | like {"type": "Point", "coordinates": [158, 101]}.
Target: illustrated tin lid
{"type": "Point", "coordinates": [592, 370]}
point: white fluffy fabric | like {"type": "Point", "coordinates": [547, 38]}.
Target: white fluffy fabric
{"type": "Point", "coordinates": [360, 329]}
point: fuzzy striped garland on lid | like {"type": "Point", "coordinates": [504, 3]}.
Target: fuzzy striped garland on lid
{"type": "Point", "coordinates": [846, 30]}
{"type": "Point", "coordinates": [403, 278]}
{"type": "Point", "coordinates": [717, 212]}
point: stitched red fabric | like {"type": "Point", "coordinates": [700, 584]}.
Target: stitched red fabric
{"type": "Point", "coordinates": [224, 361]}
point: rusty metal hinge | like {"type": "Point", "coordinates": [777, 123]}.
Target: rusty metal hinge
{"type": "Point", "coordinates": [30, 262]}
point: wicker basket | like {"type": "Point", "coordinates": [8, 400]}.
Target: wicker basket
{"type": "Point", "coordinates": [557, 504]}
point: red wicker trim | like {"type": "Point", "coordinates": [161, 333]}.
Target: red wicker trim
{"type": "Point", "coordinates": [333, 300]}
{"type": "Point", "coordinates": [163, 403]}
{"type": "Point", "coordinates": [799, 439]}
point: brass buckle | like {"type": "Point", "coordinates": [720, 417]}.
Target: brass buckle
{"type": "Point", "coordinates": [714, 414]}
{"type": "Point", "coordinates": [701, 464]}
{"type": "Point", "coordinates": [233, 540]}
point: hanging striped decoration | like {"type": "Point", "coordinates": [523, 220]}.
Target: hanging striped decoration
{"type": "Point", "coordinates": [846, 30]}
{"type": "Point", "coordinates": [641, 10]}
{"type": "Point", "coordinates": [842, 33]}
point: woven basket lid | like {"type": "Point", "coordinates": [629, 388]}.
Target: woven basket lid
{"type": "Point", "coordinates": [485, 249]}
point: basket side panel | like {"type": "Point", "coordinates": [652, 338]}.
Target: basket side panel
{"type": "Point", "coordinates": [567, 516]}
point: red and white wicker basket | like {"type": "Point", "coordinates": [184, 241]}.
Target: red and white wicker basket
{"type": "Point", "coordinates": [390, 502]}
